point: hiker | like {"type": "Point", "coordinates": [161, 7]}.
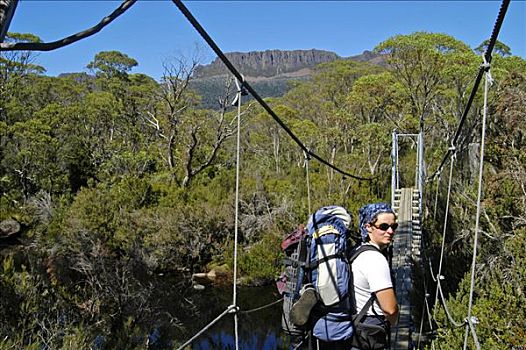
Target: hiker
{"type": "Point", "coordinates": [370, 269]}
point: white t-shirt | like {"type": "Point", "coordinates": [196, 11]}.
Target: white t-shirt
{"type": "Point", "coordinates": [371, 274]}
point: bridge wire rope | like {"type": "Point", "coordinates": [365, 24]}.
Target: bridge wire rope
{"type": "Point", "coordinates": [444, 304]}
{"type": "Point", "coordinates": [470, 325]}
{"type": "Point", "coordinates": [239, 84]}
{"type": "Point", "coordinates": [429, 316]}
{"type": "Point", "coordinates": [307, 159]}
{"type": "Point", "coordinates": [231, 308]}
{"type": "Point", "coordinates": [446, 211]}
{"type": "Point", "coordinates": [256, 96]}
{"type": "Point", "coordinates": [426, 294]}
{"type": "Point", "coordinates": [421, 328]}
{"type": "Point", "coordinates": [30, 46]}
{"type": "Point", "coordinates": [487, 58]}
{"type": "Point", "coordinates": [439, 276]}
{"type": "Point", "coordinates": [446, 310]}
{"type": "Point", "coordinates": [436, 198]}
{"type": "Point", "coordinates": [425, 305]}
{"type": "Point", "coordinates": [261, 307]}
{"type": "Point", "coordinates": [443, 301]}
{"type": "Point", "coordinates": [444, 229]}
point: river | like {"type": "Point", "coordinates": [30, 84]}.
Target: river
{"type": "Point", "coordinates": [257, 330]}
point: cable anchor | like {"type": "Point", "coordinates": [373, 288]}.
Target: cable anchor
{"type": "Point", "coordinates": [473, 320]}
{"type": "Point", "coordinates": [486, 66]}
{"type": "Point", "coordinates": [233, 309]}
{"type": "Point", "coordinates": [241, 90]}
{"type": "Point", "coordinates": [306, 155]}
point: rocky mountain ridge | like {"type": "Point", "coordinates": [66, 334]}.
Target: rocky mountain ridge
{"type": "Point", "coordinates": [268, 71]}
{"type": "Point", "coordinates": [267, 63]}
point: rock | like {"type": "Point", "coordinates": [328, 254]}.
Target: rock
{"type": "Point", "coordinates": [198, 287]}
{"type": "Point", "coordinates": [216, 275]}
{"type": "Point", "coordinates": [9, 228]}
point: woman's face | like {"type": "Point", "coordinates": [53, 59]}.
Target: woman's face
{"type": "Point", "coordinates": [382, 230]}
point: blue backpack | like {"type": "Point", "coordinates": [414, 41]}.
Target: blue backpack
{"type": "Point", "coordinates": [329, 272]}
{"type": "Point", "coordinates": [315, 256]}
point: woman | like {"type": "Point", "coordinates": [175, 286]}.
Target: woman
{"type": "Point", "coordinates": [371, 269]}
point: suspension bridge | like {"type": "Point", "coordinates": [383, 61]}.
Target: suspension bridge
{"type": "Point", "coordinates": [407, 200]}
{"type": "Point", "coordinates": [406, 252]}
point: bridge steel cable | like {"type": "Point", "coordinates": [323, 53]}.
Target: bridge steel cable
{"type": "Point", "coordinates": [236, 220]}
{"type": "Point", "coordinates": [307, 159]}
{"type": "Point", "coordinates": [443, 243]}
{"type": "Point", "coordinates": [249, 88]}
{"type": "Point", "coordinates": [232, 308]}
{"type": "Point", "coordinates": [470, 325]}
{"type": "Point", "coordinates": [446, 310]}
{"type": "Point", "coordinates": [425, 307]}
{"type": "Point", "coordinates": [229, 309]}
{"type": "Point", "coordinates": [483, 68]}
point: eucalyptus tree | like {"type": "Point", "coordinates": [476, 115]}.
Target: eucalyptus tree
{"type": "Point", "coordinates": [16, 67]}
{"type": "Point", "coordinates": [190, 138]}
{"type": "Point", "coordinates": [324, 101]}
{"type": "Point", "coordinates": [121, 143]}
{"type": "Point", "coordinates": [375, 108]}
{"type": "Point", "coordinates": [500, 48]}
{"type": "Point", "coordinates": [419, 61]}
{"type": "Point", "coordinates": [172, 100]}
{"type": "Point", "coordinates": [112, 64]}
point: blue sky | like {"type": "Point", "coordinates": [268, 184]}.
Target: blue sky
{"type": "Point", "coordinates": [154, 31]}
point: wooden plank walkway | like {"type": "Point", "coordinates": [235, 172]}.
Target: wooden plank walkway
{"type": "Point", "coordinates": [406, 249]}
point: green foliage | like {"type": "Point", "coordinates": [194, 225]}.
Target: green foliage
{"type": "Point", "coordinates": [500, 48]}
{"type": "Point", "coordinates": [112, 64]}
{"type": "Point", "coordinates": [263, 260]}
{"type": "Point", "coordinates": [499, 274]}
{"type": "Point", "coordinates": [120, 180]}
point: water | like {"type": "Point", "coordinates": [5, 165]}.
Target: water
{"type": "Point", "coordinates": [258, 330]}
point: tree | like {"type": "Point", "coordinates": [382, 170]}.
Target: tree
{"type": "Point", "coordinates": [500, 48]}
{"type": "Point", "coordinates": [112, 64]}
{"type": "Point", "coordinates": [374, 104]}
{"type": "Point", "coordinates": [15, 68]}
{"type": "Point", "coordinates": [418, 61]}
{"type": "Point", "coordinates": [204, 135]}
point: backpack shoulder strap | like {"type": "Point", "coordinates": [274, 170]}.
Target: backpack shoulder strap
{"type": "Point", "coordinates": [354, 254]}
{"type": "Point", "coordinates": [360, 250]}
{"type": "Point", "coordinates": [358, 317]}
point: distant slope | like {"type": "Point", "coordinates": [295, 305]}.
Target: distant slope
{"type": "Point", "coordinates": [268, 72]}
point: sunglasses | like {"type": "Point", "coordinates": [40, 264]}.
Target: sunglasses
{"type": "Point", "coordinates": [385, 227]}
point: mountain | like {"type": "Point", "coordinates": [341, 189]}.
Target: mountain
{"type": "Point", "coordinates": [268, 72]}
{"type": "Point", "coordinates": [267, 63]}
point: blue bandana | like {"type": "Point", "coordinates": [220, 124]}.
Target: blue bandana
{"type": "Point", "coordinates": [368, 213]}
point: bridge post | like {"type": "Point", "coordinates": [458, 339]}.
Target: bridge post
{"type": "Point", "coordinates": [394, 166]}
